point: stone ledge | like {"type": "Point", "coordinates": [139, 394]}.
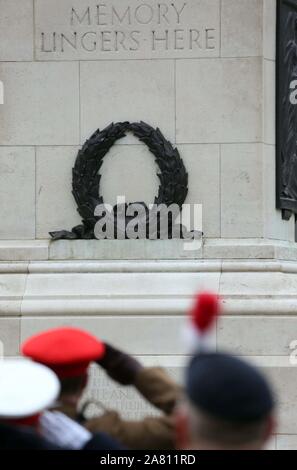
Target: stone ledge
{"type": "Point", "coordinates": [254, 248]}
{"type": "Point", "coordinates": [126, 266]}
{"type": "Point", "coordinates": [152, 287]}
{"type": "Point", "coordinates": [121, 249]}
{"type": "Point", "coordinates": [23, 250]}
{"type": "Point", "coordinates": [266, 285]}
{"type": "Point", "coordinates": [145, 250]}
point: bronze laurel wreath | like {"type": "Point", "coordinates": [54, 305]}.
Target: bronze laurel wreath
{"type": "Point", "coordinates": [173, 177]}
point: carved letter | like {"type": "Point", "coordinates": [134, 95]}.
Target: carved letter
{"type": "Point", "coordinates": [162, 14]}
{"type": "Point", "coordinates": [150, 16]}
{"type": "Point", "coordinates": [194, 38]}
{"type": "Point", "coordinates": [136, 41]}
{"type": "Point", "coordinates": [93, 45]}
{"type": "Point", "coordinates": [156, 39]}
{"type": "Point", "coordinates": [120, 40]}
{"type": "Point", "coordinates": [43, 47]}
{"type": "Point", "coordinates": [72, 44]}
{"type": "Point", "coordinates": [120, 19]}
{"type": "Point", "coordinates": [99, 14]}
{"type": "Point", "coordinates": [209, 38]}
{"type": "Point", "coordinates": [81, 19]}
{"type": "Point", "coordinates": [178, 36]}
{"type": "Point", "coordinates": [179, 12]}
{"type": "Point", "coordinates": [106, 40]}
{"type": "Point", "coordinates": [54, 42]}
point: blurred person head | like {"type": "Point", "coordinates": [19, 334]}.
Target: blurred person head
{"type": "Point", "coordinates": [68, 352]}
{"type": "Point", "coordinates": [228, 405]}
{"type": "Point", "coordinates": [26, 390]}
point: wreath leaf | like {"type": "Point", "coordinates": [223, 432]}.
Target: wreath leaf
{"type": "Point", "coordinates": [86, 179]}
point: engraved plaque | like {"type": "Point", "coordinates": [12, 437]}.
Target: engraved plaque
{"type": "Point", "coordinates": [125, 400]}
{"type": "Point", "coordinates": [122, 29]}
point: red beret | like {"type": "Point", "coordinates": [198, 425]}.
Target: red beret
{"type": "Point", "coordinates": [67, 351]}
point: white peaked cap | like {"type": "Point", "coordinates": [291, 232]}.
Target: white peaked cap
{"type": "Point", "coordinates": [26, 388]}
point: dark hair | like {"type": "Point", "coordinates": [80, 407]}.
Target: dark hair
{"type": "Point", "coordinates": [71, 385]}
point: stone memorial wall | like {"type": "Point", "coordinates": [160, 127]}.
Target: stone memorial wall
{"type": "Point", "coordinates": [201, 70]}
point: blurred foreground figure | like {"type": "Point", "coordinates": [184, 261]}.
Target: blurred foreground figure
{"type": "Point", "coordinates": [27, 390]}
{"type": "Point", "coordinates": [12, 438]}
{"type": "Point", "coordinates": [228, 403]}
{"type": "Point", "coordinates": [69, 352]}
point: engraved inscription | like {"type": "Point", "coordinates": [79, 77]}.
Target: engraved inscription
{"type": "Point", "coordinates": [126, 400]}
{"type": "Point", "coordinates": [131, 28]}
